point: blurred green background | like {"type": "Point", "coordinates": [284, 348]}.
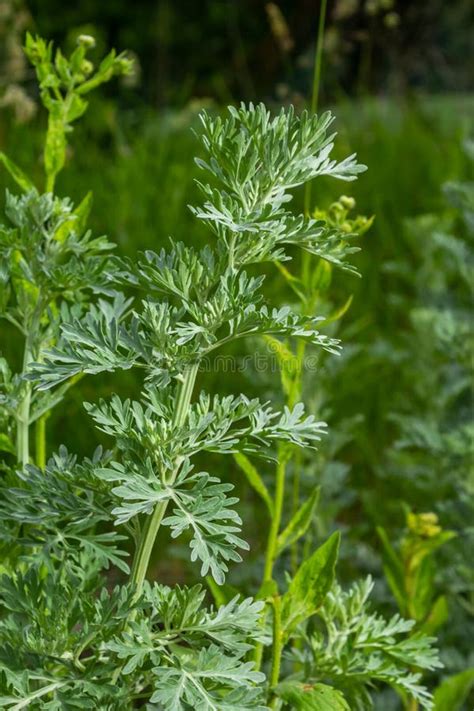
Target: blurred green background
{"type": "Point", "coordinates": [398, 76]}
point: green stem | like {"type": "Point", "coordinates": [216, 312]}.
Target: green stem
{"type": "Point", "coordinates": [277, 649]}
{"type": "Point", "coordinates": [23, 414]}
{"type": "Point", "coordinates": [37, 694]}
{"type": "Point", "coordinates": [276, 520]}
{"type": "Point", "coordinates": [23, 428]}
{"type": "Point", "coordinates": [50, 181]}
{"type": "Point", "coordinates": [32, 329]}
{"type": "Point", "coordinates": [145, 547]}
{"type": "Point", "coordinates": [295, 502]}
{"type": "Point", "coordinates": [318, 61]}
{"type": "Point", "coordinates": [295, 396]}
{"type": "Point", "coordinates": [40, 441]}
{"type": "Point", "coordinates": [148, 537]}
{"type": "Point", "coordinates": [271, 553]}
{"type": "Point", "coordinates": [147, 541]}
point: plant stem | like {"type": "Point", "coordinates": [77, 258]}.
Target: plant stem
{"type": "Point", "coordinates": [296, 393]}
{"type": "Point", "coordinates": [40, 441]}
{"type": "Point", "coordinates": [22, 428]}
{"type": "Point", "coordinates": [306, 256]}
{"type": "Point", "coordinates": [295, 396]}
{"type": "Point", "coordinates": [271, 555]}
{"type": "Point", "coordinates": [295, 504]}
{"type": "Point", "coordinates": [148, 538]}
{"type": "Point", "coordinates": [147, 541]}
{"type": "Point", "coordinates": [32, 330]}
{"type": "Point", "coordinates": [318, 60]}
{"type": "Point", "coordinates": [23, 414]}
{"type": "Point", "coordinates": [145, 547]}
{"type": "Point", "coordinates": [50, 180]}
{"type": "Point", "coordinates": [37, 694]}
{"type": "Point", "coordinates": [277, 649]}
{"type": "Point", "coordinates": [276, 520]}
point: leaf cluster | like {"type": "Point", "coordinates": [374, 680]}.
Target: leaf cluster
{"type": "Point", "coordinates": [355, 648]}
{"type": "Point", "coordinates": [62, 641]}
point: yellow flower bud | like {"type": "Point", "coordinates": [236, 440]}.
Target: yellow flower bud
{"type": "Point", "coordinates": [424, 524]}
{"type": "Point", "coordinates": [347, 202]}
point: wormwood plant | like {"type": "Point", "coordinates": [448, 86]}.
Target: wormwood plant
{"type": "Point", "coordinates": [69, 639]}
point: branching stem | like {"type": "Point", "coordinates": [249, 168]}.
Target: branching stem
{"type": "Point", "coordinates": [38, 694]}
{"type": "Point", "coordinates": [147, 540]}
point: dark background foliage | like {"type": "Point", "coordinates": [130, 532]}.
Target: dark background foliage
{"type": "Point", "coordinates": [245, 49]}
{"type": "Point", "coordinates": [398, 76]}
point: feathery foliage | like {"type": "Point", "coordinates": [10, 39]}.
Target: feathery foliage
{"type": "Point", "coordinates": [68, 638]}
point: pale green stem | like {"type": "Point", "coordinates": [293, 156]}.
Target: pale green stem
{"type": "Point", "coordinates": [23, 414]}
{"type": "Point", "coordinates": [37, 694]}
{"type": "Point", "coordinates": [277, 650]}
{"type": "Point", "coordinates": [147, 541]}
{"type": "Point", "coordinates": [150, 532]}
{"type": "Point", "coordinates": [232, 250]}
{"type": "Point", "coordinates": [23, 427]}
{"type": "Point", "coordinates": [145, 546]}
{"type": "Point", "coordinates": [40, 441]}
